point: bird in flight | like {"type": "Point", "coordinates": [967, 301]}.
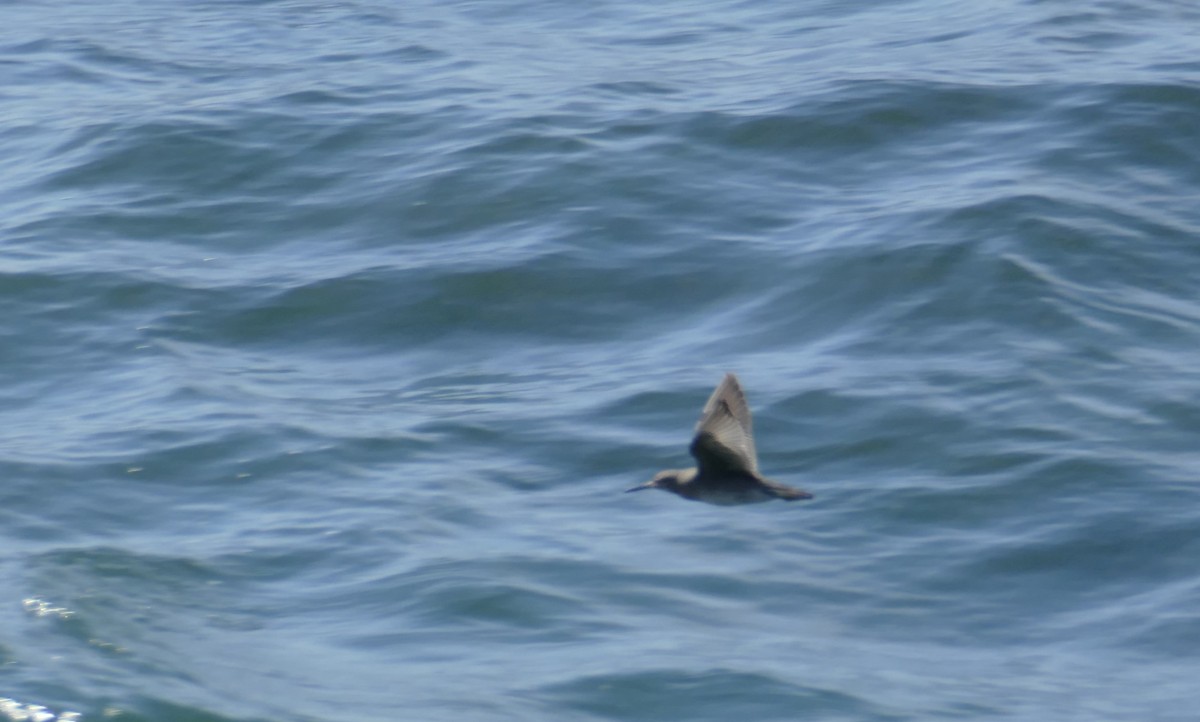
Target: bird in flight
{"type": "Point", "coordinates": [726, 470]}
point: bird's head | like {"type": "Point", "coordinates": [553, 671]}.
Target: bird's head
{"type": "Point", "coordinates": [665, 480]}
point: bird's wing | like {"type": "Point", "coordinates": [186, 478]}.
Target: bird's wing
{"type": "Point", "coordinates": [724, 440]}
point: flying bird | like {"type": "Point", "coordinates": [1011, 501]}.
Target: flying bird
{"type": "Point", "coordinates": [726, 470]}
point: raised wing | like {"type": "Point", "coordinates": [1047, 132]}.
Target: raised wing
{"type": "Point", "coordinates": [724, 440]}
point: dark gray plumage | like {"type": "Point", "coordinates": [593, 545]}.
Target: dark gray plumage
{"type": "Point", "coordinates": [727, 464]}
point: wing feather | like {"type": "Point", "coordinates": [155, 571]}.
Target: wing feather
{"type": "Point", "coordinates": [724, 440]}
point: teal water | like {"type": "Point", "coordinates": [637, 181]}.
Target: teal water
{"type": "Point", "coordinates": [333, 332]}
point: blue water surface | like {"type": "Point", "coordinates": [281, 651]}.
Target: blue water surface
{"type": "Point", "coordinates": [333, 332]}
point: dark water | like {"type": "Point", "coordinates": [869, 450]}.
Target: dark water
{"type": "Point", "coordinates": [333, 331]}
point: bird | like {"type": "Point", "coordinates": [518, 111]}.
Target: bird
{"type": "Point", "coordinates": [726, 472]}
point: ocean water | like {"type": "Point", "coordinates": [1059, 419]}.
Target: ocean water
{"type": "Point", "coordinates": [333, 331]}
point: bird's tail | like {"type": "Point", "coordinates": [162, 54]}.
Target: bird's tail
{"type": "Point", "coordinates": [787, 493]}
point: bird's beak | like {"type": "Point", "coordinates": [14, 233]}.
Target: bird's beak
{"type": "Point", "coordinates": [648, 485]}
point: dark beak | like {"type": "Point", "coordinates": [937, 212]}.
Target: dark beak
{"type": "Point", "coordinates": [640, 487]}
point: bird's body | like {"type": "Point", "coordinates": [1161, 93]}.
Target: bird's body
{"type": "Point", "coordinates": [727, 463]}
